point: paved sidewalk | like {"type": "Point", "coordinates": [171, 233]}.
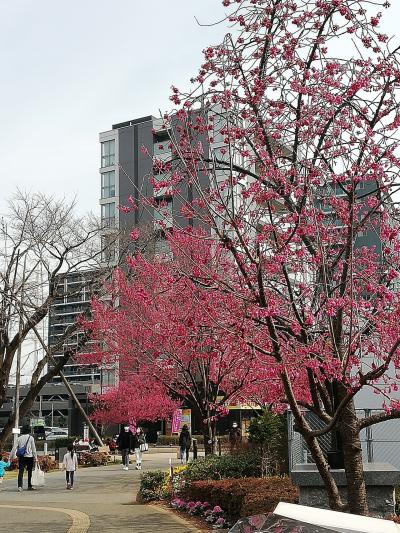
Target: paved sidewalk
{"type": "Point", "coordinates": [102, 501]}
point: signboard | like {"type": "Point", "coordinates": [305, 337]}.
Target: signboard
{"type": "Point", "coordinates": [85, 433]}
{"type": "Point", "coordinates": [186, 418]}
{"type": "Point", "coordinates": [176, 421]}
{"type": "Point", "coordinates": [180, 418]}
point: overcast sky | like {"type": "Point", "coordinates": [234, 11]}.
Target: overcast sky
{"type": "Point", "coordinates": [72, 69]}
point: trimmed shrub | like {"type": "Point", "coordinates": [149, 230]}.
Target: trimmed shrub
{"type": "Point", "coordinates": [244, 497]}
{"type": "Point", "coordinates": [47, 463]}
{"type": "Point", "coordinates": [93, 458]}
{"type": "Point", "coordinates": [226, 466]}
{"type": "Point", "coordinates": [152, 485]}
{"type": "Point", "coordinates": [173, 440]}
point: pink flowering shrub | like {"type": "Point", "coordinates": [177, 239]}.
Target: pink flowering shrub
{"type": "Point", "coordinates": [212, 515]}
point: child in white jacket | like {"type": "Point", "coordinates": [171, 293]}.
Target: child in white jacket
{"type": "Point", "coordinates": [70, 465]}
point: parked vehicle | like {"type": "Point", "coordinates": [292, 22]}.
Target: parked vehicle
{"type": "Point", "coordinates": [51, 429]}
{"type": "Point", "coordinates": [59, 434]}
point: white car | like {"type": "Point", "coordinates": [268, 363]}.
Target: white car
{"type": "Point", "coordinates": [57, 434]}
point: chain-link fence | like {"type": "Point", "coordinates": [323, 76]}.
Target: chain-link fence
{"type": "Point", "coordinates": [380, 443]}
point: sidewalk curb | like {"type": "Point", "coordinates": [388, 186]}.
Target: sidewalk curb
{"type": "Point", "coordinates": [187, 524]}
{"type": "Point", "coordinates": [80, 520]}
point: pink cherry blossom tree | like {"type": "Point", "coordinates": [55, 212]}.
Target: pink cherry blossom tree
{"type": "Point", "coordinates": [292, 123]}
{"type": "Point", "coordinates": [172, 340]}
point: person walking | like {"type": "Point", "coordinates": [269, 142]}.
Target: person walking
{"type": "Point", "coordinates": [25, 450]}
{"type": "Point", "coordinates": [235, 438]}
{"type": "Point", "coordinates": [70, 465]}
{"type": "Point", "coordinates": [3, 466]}
{"type": "Point", "coordinates": [125, 443]}
{"type": "Point", "coordinates": [185, 443]}
{"type": "Point", "coordinates": [139, 445]}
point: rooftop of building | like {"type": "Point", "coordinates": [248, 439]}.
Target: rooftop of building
{"type": "Point", "coordinates": [132, 122]}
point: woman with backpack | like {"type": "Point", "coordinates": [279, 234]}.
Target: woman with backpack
{"type": "Point", "coordinates": [70, 465]}
{"type": "Point", "coordinates": [25, 451]}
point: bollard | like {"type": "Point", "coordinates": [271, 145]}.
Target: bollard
{"type": "Point", "coordinates": [45, 448]}
{"type": "Point", "coordinates": [194, 449]}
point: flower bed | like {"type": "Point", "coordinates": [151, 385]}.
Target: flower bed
{"type": "Point", "coordinates": [46, 462]}
{"type": "Point", "coordinates": [243, 497]}
{"type": "Point", "coordinates": [211, 514]}
{"type": "Point", "coordinates": [218, 501]}
{"type": "Point", "coordinates": [93, 458]}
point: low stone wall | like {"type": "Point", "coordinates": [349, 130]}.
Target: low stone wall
{"type": "Point", "coordinates": [380, 479]}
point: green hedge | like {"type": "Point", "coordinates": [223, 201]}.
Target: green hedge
{"type": "Point", "coordinates": [226, 466]}
{"type": "Point", "coordinates": [173, 440]}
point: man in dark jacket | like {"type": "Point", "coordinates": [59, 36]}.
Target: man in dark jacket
{"type": "Point", "coordinates": [185, 442]}
{"type": "Point", "coordinates": [125, 444]}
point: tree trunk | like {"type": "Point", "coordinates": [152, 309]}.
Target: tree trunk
{"type": "Point", "coordinates": [353, 461]}
{"type": "Point", "coordinates": [5, 434]}
{"type": "Point", "coordinates": [209, 428]}
{"type": "Point", "coordinates": [332, 491]}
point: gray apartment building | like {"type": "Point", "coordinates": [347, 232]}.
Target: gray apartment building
{"type": "Point", "coordinates": [124, 173]}
{"type": "Point", "coordinates": [127, 154]}
{"type": "Point", "coordinates": [75, 291]}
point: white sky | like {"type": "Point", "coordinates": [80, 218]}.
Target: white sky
{"type": "Point", "coordinates": [72, 69]}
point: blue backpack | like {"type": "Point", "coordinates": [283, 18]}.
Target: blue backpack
{"type": "Point", "coordinates": [21, 451]}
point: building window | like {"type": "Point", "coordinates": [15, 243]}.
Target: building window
{"type": "Point", "coordinates": [163, 212]}
{"type": "Point", "coordinates": [108, 184]}
{"type": "Point", "coordinates": [107, 378]}
{"type": "Point", "coordinates": [362, 233]}
{"type": "Point", "coordinates": [108, 153]}
{"type": "Point", "coordinates": [108, 248]}
{"type": "Point", "coordinates": [108, 215]}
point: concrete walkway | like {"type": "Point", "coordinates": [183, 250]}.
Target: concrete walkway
{"type": "Point", "coordinates": [103, 500]}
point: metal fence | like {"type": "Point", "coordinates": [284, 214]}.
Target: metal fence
{"type": "Point", "coordinates": [380, 443]}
